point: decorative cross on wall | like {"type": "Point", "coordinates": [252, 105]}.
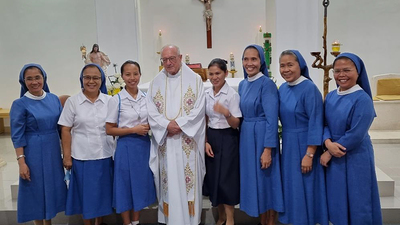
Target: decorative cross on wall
{"type": "Point", "coordinates": [208, 15]}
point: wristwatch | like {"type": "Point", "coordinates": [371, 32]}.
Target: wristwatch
{"type": "Point", "coordinates": [310, 154]}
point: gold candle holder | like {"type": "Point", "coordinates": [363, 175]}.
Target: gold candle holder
{"type": "Point", "coordinates": [336, 46]}
{"type": "Point", "coordinates": [233, 73]}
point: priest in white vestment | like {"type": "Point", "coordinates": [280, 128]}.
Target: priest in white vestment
{"type": "Point", "coordinates": [176, 105]}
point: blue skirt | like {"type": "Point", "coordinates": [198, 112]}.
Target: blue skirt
{"type": "Point", "coordinates": [90, 188]}
{"type": "Point", "coordinates": [133, 179]}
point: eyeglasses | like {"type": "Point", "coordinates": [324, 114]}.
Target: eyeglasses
{"type": "Point", "coordinates": [36, 78]}
{"type": "Point", "coordinates": [88, 78]}
{"type": "Point", "coordinates": [171, 59]}
{"type": "Point", "coordinates": [344, 71]}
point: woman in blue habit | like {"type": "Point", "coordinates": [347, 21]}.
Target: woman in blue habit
{"type": "Point", "coordinates": [352, 188]}
{"type": "Point", "coordinates": [301, 115]}
{"type": "Point", "coordinates": [260, 177]}
{"type": "Point", "coordinates": [34, 133]}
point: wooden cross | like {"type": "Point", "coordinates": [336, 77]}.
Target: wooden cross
{"type": "Point", "coordinates": [208, 15]}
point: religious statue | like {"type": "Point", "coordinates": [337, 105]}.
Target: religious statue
{"type": "Point", "coordinates": [83, 51]}
{"type": "Point", "coordinates": [208, 14]}
{"type": "Point", "coordinates": [98, 57]}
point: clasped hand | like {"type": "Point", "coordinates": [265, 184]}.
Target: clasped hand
{"type": "Point", "coordinates": [173, 128]}
{"type": "Point", "coordinates": [335, 148]}
{"type": "Point", "coordinates": [142, 129]}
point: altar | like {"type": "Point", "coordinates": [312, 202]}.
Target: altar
{"type": "Point", "coordinates": [233, 82]}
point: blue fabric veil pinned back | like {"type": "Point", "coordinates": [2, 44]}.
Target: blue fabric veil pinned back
{"type": "Point", "coordinates": [24, 89]}
{"type": "Point", "coordinates": [302, 63]}
{"type": "Point", "coordinates": [362, 79]}
{"type": "Point", "coordinates": [103, 87]}
{"type": "Point", "coordinates": [263, 68]}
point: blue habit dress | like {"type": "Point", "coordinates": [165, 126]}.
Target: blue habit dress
{"type": "Point", "coordinates": [301, 115]}
{"type": "Point", "coordinates": [352, 188]}
{"type": "Point", "coordinates": [34, 127]}
{"type": "Point", "coordinates": [260, 189]}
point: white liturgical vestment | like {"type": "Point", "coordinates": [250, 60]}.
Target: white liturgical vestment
{"type": "Point", "coordinates": [177, 161]}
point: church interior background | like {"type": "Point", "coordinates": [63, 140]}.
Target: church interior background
{"type": "Point", "coordinates": [51, 32]}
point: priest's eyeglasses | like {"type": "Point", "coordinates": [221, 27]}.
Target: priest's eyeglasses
{"type": "Point", "coordinates": [36, 78]}
{"type": "Point", "coordinates": [344, 71]}
{"type": "Point", "coordinates": [88, 78]}
{"type": "Point", "coordinates": [171, 59]}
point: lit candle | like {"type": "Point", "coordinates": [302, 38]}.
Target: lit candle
{"type": "Point", "coordinates": [187, 59]}
{"type": "Point", "coordinates": [336, 46]}
{"type": "Point", "coordinates": [260, 29]}
{"type": "Point", "coordinates": [232, 61]}
{"type": "Point", "coordinates": [159, 42]}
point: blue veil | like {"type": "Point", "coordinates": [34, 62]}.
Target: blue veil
{"type": "Point", "coordinates": [24, 89]}
{"type": "Point", "coordinates": [103, 88]}
{"type": "Point", "coordinates": [302, 63]}
{"type": "Point", "coordinates": [362, 79]}
{"type": "Point", "coordinates": [263, 68]}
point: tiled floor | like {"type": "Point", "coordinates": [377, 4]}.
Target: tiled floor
{"type": "Point", "coordinates": [387, 158]}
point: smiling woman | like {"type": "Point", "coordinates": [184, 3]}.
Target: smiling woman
{"type": "Point", "coordinates": [351, 185]}
{"type": "Point", "coordinates": [222, 164]}
{"type": "Point", "coordinates": [87, 148]}
{"type": "Point", "coordinates": [301, 115]}
{"type": "Point", "coordinates": [127, 118]}
{"type": "Point", "coordinates": [34, 132]}
{"type": "Point", "coordinates": [260, 177]}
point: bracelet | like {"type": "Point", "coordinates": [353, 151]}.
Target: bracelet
{"type": "Point", "coordinates": [311, 155]}
{"type": "Point", "coordinates": [229, 116]}
{"type": "Point", "coordinates": [20, 156]}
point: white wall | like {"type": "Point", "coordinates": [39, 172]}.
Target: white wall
{"type": "Point", "coordinates": [234, 26]}
{"type": "Point", "coordinates": [46, 32]}
{"type": "Point", "coordinates": [50, 32]}
{"type": "Point", "coordinates": [370, 29]}
{"type": "Point", "coordinates": [116, 31]}
{"type": "Point", "coordinates": [297, 27]}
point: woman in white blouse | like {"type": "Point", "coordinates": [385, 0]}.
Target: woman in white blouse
{"type": "Point", "coordinates": [221, 182]}
{"type": "Point", "coordinates": [87, 148]}
{"type": "Point", "coordinates": [127, 118]}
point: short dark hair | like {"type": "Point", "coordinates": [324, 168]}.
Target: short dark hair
{"type": "Point", "coordinates": [130, 62]}
{"type": "Point", "coordinates": [220, 63]}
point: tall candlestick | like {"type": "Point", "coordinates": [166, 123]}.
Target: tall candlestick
{"type": "Point", "coordinates": [232, 61]}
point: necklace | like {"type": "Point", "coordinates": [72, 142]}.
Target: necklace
{"type": "Point", "coordinates": [138, 100]}
{"type": "Point", "coordinates": [138, 113]}
{"type": "Point", "coordinates": [165, 101]}
{"type": "Point", "coordinates": [140, 106]}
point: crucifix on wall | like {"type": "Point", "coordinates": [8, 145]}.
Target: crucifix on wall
{"type": "Point", "coordinates": [208, 15]}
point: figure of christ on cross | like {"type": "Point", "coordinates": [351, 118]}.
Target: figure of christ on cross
{"type": "Point", "coordinates": [208, 15]}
